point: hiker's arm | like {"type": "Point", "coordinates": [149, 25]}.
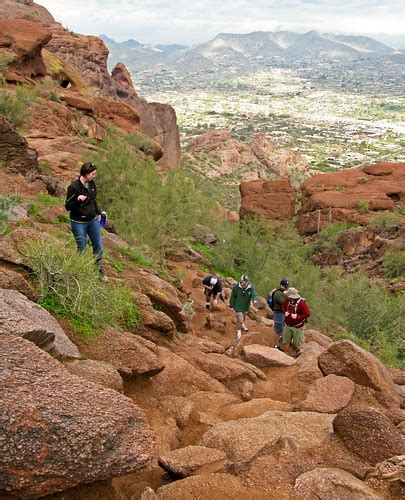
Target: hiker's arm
{"type": "Point", "coordinates": [232, 298]}
{"type": "Point", "coordinates": [279, 298]}
{"type": "Point", "coordinates": [284, 306]}
{"type": "Point", "coordinates": [71, 198]}
{"type": "Point", "coordinates": [303, 311]}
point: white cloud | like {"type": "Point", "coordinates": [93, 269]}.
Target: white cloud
{"type": "Point", "coordinates": [157, 21]}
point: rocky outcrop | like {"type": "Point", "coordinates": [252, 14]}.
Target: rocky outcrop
{"type": "Point", "coordinates": [97, 372]}
{"type": "Point", "coordinates": [347, 359]}
{"type": "Point", "coordinates": [23, 40]}
{"type": "Point", "coordinates": [368, 433]}
{"type": "Point", "coordinates": [13, 280]}
{"type": "Point", "coordinates": [351, 195]}
{"type": "Point", "coordinates": [17, 156]}
{"type": "Point", "coordinates": [193, 460]}
{"type": "Point", "coordinates": [333, 484]}
{"type": "Point", "coordinates": [126, 352]}
{"type": "Point", "coordinates": [259, 160]}
{"type": "Point", "coordinates": [279, 160]}
{"type": "Point", "coordinates": [60, 430]}
{"type": "Point", "coordinates": [21, 317]}
{"type": "Point", "coordinates": [272, 200]}
{"type": "Point", "coordinates": [327, 395]}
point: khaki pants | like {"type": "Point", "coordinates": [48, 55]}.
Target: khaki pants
{"type": "Point", "coordinates": [294, 336]}
{"type": "Point", "coordinates": [240, 319]}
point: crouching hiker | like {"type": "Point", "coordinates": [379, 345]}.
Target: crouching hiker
{"type": "Point", "coordinates": [296, 312]}
{"type": "Point", "coordinates": [84, 213]}
{"type": "Point", "coordinates": [212, 289]}
{"type": "Point", "coordinates": [242, 295]}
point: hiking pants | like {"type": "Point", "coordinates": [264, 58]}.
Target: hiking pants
{"type": "Point", "coordinates": [81, 230]}
{"type": "Point", "coordinates": [294, 336]}
{"type": "Point", "coordinates": [240, 319]}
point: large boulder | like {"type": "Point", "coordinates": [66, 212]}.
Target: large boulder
{"type": "Point", "coordinates": [307, 362]}
{"type": "Point", "coordinates": [243, 440]}
{"type": "Point", "coordinates": [333, 484]}
{"type": "Point", "coordinates": [368, 433]}
{"type": "Point", "coordinates": [157, 320]}
{"type": "Point", "coordinates": [216, 486]}
{"type": "Point", "coordinates": [19, 316]}
{"type": "Point", "coordinates": [193, 460]}
{"type": "Point", "coordinates": [347, 359]}
{"type": "Point", "coordinates": [253, 408]}
{"type": "Point", "coordinates": [263, 356]}
{"type": "Point", "coordinates": [14, 280]}
{"type": "Point", "coordinates": [327, 395]}
{"type": "Point", "coordinates": [272, 200]}
{"type": "Point", "coordinates": [17, 156]}
{"type": "Point", "coordinates": [125, 351]}
{"type": "Point", "coordinates": [97, 372]}
{"type": "Point", "coordinates": [60, 430]}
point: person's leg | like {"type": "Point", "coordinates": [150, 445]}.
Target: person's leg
{"type": "Point", "coordinates": [287, 337]}
{"type": "Point", "coordinates": [79, 231]}
{"type": "Point", "coordinates": [278, 318]}
{"type": "Point", "coordinates": [94, 233]}
{"type": "Point", "coordinates": [207, 294]}
{"type": "Point", "coordinates": [244, 327]}
{"type": "Point", "coordinates": [298, 340]}
{"type": "Point", "coordinates": [239, 322]}
{"type": "Point", "coordinates": [214, 299]}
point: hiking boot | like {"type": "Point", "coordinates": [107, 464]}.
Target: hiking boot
{"type": "Point", "coordinates": [238, 334]}
{"type": "Point", "coordinates": [245, 328]}
{"type": "Point", "coordinates": [103, 278]}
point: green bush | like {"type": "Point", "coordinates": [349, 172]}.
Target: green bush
{"type": "Point", "coordinates": [69, 286]}
{"type": "Point", "coordinates": [15, 107]}
{"type": "Point", "coordinates": [380, 223]}
{"type": "Point", "coordinates": [394, 264]}
{"type": "Point", "coordinates": [328, 235]}
{"type": "Point", "coordinates": [151, 213]}
{"type": "Point", "coordinates": [7, 202]}
{"type": "Point", "coordinates": [5, 60]}
{"type": "Point", "coordinates": [363, 207]}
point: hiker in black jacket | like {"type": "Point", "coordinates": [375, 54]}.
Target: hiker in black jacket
{"type": "Point", "coordinates": [212, 288]}
{"type": "Point", "coordinates": [84, 213]}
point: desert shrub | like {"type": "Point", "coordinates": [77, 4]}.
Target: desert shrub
{"type": "Point", "coordinates": [5, 60]}
{"type": "Point", "coordinates": [69, 286]}
{"type": "Point", "coordinates": [363, 206]}
{"type": "Point", "coordinates": [150, 212]}
{"type": "Point", "coordinates": [380, 223]}
{"type": "Point", "coordinates": [141, 142]}
{"type": "Point", "coordinates": [328, 235]}
{"type": "Point", "coordinates": [394, 264]}
{"type": "Point", "coordinates": [7, 202]}
{"type": "Point", "coordinates": [15, 107]}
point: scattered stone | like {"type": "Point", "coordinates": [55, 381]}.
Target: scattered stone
{"type": "Point", "coordinates": [263, 356]}
{"type": "Point", "coordinates": [333, 484]}
{"type": "Point", "coordinates": [13, 280]}
{"type": "Point", "coordinates": [321, 339]}
{"type": "Point", "coordinates": [327, 395]}
{"type": "Point", "coordinates": [368, 433]}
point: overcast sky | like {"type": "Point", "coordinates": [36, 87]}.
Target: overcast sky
{"type": "Point", "coordinates": [188, 22]}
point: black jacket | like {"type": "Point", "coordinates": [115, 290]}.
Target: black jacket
{"type": "Point", "coordinates": [217, 288]}
{"type": "Point", "coordinates": [82, 211]}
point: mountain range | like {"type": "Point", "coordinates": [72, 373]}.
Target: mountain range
{"type": "Point", "coordinates": [250, 49]}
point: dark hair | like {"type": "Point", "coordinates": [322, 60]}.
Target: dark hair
{"type": "Point", "coordinates": [86, 168]}
{"type": "Point", "coordinates": [284, 283]}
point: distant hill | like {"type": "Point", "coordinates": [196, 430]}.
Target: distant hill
{"type": "Point", "coordinates": [257, 48]}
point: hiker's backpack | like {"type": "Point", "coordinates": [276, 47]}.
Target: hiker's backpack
{"type": "Point", "coordinates": [270, 298]}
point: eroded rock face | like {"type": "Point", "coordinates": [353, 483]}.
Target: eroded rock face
{"type": "Point", "coordinates": [336, 196]}
{"type": "Point", "coordinates": [125, 351]}
{"type": "Point", "coordinates": [14, 150]}
{"type": "Point", "coordinates": [60, 430]}
{"type": "Point", "coordinates": [347, 359]}
{"type": "Point", "coordinates": [263, 356]}
{"type": "Point", "coordinates": [368, 433]}
{"type": "Point", "coordinates": [333, 484]}
{"type": "Point", "coordinates": [97, 372]}
{"type": "Point", "coordinates": [21, 317]}
{"type": "Point", "coordinates": [24, 40]}
{"type": "Point", "coordinates": [272, 200]}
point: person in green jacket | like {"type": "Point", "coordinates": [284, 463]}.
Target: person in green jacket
{"type": "Point", "coordinates": [242, 295]}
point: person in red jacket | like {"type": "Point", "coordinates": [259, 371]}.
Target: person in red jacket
{"type": "Point", "coordinates": [296, 312]}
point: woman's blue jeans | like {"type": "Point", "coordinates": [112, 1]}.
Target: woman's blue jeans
{"type": "Point", "coordinates": [81, 230]}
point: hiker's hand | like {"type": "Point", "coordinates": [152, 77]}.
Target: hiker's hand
{"type": "Point", "coordinates": [232, 309]}
{"type": "Point", "coordinates": [287, 314]}
{"type": "Point", "coordinates": [82, 197]}
{"type": "Point", "coordinates": [294, 316]}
